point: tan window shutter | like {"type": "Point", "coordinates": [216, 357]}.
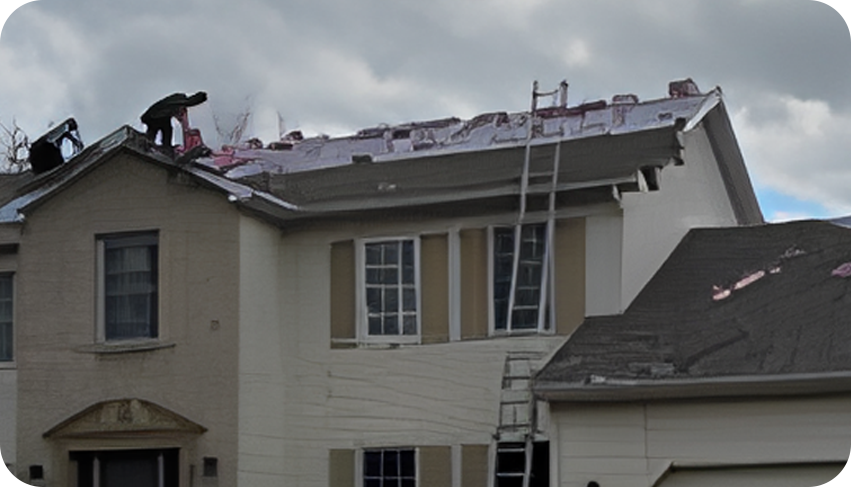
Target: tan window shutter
{"type": "Point", "coordinates": [341, 468]}
{"type": "Point", "coordinates": [474, 283]}
{"type": "Point", "coordinates": [342, 293]}
{"type": "Point", "coordinates": [569, 274]}
{"type": "Point", "coordinates": [474, 466]}
{"type": "Point", "coordinates": [435, 466]}
{"type": "Point", "coordinates": [434, 266]}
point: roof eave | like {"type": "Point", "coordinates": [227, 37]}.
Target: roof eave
{"type": "Point", "coordinates": [620, 390]}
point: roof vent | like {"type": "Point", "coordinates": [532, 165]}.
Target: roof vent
{"type": "Point", "coordinates": [46, 152]}
{"type": "Point", "coordinates": [683, 88]}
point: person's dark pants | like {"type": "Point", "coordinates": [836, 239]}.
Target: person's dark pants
{"type": "Point", "coordinates": [160, 125]}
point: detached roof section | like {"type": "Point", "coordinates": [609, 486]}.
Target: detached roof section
{"type": "Point", "coordinates": [761, 310]}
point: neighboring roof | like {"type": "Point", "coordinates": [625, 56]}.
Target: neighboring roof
{"type": "Point", "coordinates": [601, 146]}
{"type": "Point", "coordinates": [733, 311]}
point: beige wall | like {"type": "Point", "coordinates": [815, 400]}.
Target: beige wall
{"type": "Point", "coordinates": [691, 195]}
{"type": "Point", "coordinates": [633, 444]}
{"type": "Point", "coordinates": [198, 289]}
{"type": "Point", "coordinates": [8, 370]}
{"type": "Point", "coordinates": [300, 399]}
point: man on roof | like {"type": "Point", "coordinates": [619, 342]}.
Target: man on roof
{"type": "Point", "coordinates": [158, 116]}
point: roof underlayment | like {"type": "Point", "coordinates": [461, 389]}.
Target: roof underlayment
{"type": "Point", "coordinates": [602, 146]}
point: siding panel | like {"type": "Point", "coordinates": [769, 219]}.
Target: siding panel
{"type": "Point", "coordinates": [434, 256]}
{"type": "Point", "coordinates": [474, 283]}
{"type": "Point", "coordinates": [569, 274]}
{"type": "Point", "coordinates": [342, 290]}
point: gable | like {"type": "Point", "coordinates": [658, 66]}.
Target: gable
{"type": "Point", "coordinates": [124, 417]}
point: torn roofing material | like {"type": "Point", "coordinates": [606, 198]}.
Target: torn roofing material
{"type": "Point", "coordinates": [446, 162]}
{"type": "Point", "coordinates": [784, 331]}
{"type": "Point", "coordinates": [21, 193]}
{"type": "Point", "coordinates": [450, 160]}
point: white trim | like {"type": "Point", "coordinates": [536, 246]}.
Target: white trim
{"type": "Point", "coordinates": [358, 467]}
{"type": "Point", "coordinates": [491, 305]}
{"type": "Point", "coordinates": [454, 262]}
{"type": "Point", "coordinates": [361, 322]}
{"type": "Point", "coordinates": [456, 458]}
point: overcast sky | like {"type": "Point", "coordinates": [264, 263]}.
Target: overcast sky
{"type": "Point", "coordinates": [333, 66]}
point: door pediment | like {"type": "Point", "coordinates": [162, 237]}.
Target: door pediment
{"type": "Point", "coordinates": [124, 417]}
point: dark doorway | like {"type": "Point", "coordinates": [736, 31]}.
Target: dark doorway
{"type": "Point", "coordinates": [127, 468]}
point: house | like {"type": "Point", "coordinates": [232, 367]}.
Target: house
{"type": "Point", "coordinates": [338, 311]}
{"type": "Point", "coordinates": [731, 367]}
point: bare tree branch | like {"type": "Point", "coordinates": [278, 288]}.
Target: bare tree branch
{"type": "Point", "coordinates": [14, 148]}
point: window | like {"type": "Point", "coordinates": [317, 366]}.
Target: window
{"type": "Point", "coordinates": [523, 312]}
{"type": "Point", "coordinates": [389, 468]}
{"type": "Point", "coordinates": [390, 289]}
{"type": "Point", "coordinates": [511, 461]}
{"type": "Point", "coordinates": [6, 317]}
{"type": "Point", "coordinates": [128, 297]}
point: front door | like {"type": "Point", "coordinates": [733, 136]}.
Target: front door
{"type": "Point", "coordinates": [127, 468]}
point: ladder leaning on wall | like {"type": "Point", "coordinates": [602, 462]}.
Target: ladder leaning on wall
{"type": "Point", "coordinates": [546, 305]}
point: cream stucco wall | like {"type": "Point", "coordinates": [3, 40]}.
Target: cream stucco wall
{"type": "Point", "coordinates": [59, 375]}
{"type": "Point", "coordinates": [634, 444]}
{"type": "Point", "coordinates": [691, 195]}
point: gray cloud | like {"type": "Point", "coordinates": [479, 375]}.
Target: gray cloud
{"type": "Point", "coordinates": [334, 66]}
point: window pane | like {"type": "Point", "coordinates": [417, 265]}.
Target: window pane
{"type": "Point", "coordinates": [130, 283]}
{"type": "Point", "coordinates": [391, 253]}
{"type": "Point", "coordinates": [410, 324]}
{"type": "Point", "coordinates": [373, 254]}
{"type": "Point", "coordinates": [390, 275]}
{"type": "Point", "coordinates": [391, 299]}
{"type": "Point", "coordinates": [409, 299]}
{"type": "Point", "coordinates": [5, 342]}
{"type": "Point", "coordinates": [391, 324]}
{"type": "Point", "coordinates": [6, 329]}
{"type": "Point", "coordinates": [372, 463]}
{"type": "Point", "coordinates": [373, 299]}
{"type": "Point", "coordinates": [391, 464]}
{"type": "Point", "coordinates": [407, 465]}
{"type": "Point", "coordinates": [375, 325]}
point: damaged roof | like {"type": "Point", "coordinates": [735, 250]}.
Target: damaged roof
{"type": "Point", "coordinates": [733, 312]}
{"type": "Point", "coordinates": [443, 162]}
{"type": "Point", "coordinates": [450, 160]}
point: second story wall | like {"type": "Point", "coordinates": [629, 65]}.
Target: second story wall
{"type": "Point", "coordinates": [692, 195]}
{"type": "Point", "coordinates": [128, 230]}
{"type": "Point", "coordinates": [314, 377]}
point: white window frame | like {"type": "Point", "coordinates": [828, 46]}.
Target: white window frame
{"type": "Point", "coordinates": [359, 459]}
{"type": "Point", "coordinates": [101, 286]}
{"type": "Point", "coordinates": [547, 296]}
{"type": "Point", "coordinates": [362, 322]}
{"type": "Point", "coordinates": [10, 363]}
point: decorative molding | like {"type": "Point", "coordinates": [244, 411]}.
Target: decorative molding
{"type": "Point", "coordinates": [123, 417]}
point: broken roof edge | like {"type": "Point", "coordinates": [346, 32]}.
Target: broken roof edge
{"type": "Point", "coordinates": [636, 390]}
{"type": "Point", "coordinates": [711, 100]}
{"type": "Point", "coordinates": [731, 164]}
